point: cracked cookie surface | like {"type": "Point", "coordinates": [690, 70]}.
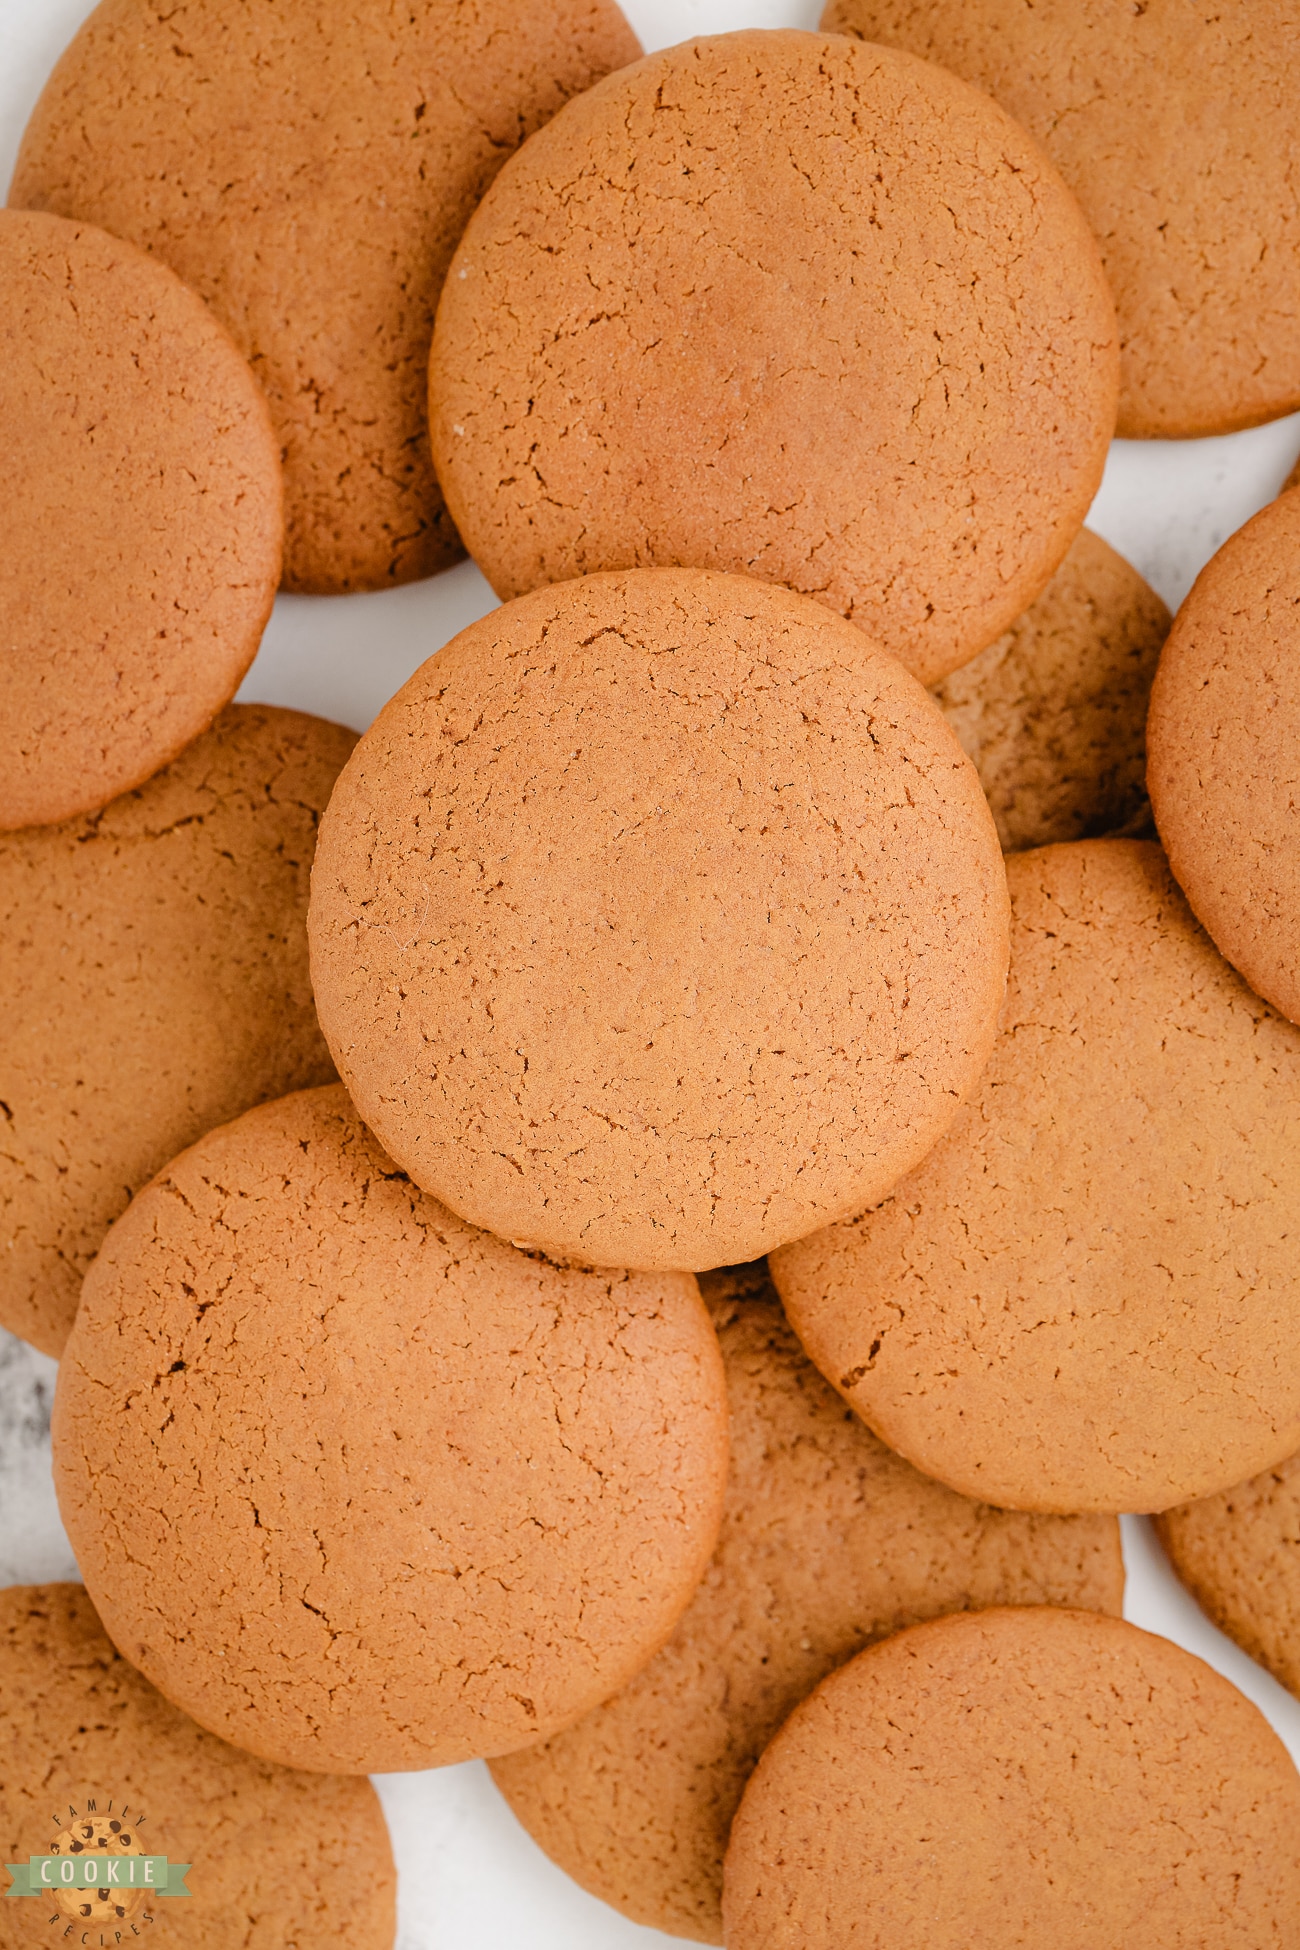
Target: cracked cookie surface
{"type": "Point", "coordinates": [143, 524]}
{"type": "Point", "coordinates": [1174, 123]}
{"type": "Point", "coordinates": [658, 919]}
{"type": "Point", "coordinates": [153, 962]}
{"type": "Point", "coordinates": [360, 1487]}
{"type": "Point", "coordinates": [1023, 1777]}
{"type": "Point", "coordinates": [1084, 1299]}
{"type": "Point", "coordinates": [829, 1541]}
{"type": "Point", "coordinates": [779, 303]}
{"type": "Point", "coordinates": [308, 169]}
{"type": "Point", "coordinates": [279, 1857]}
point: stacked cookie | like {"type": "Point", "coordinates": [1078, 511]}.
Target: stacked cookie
{"type": "Point", "coordinates": [663, 1268]}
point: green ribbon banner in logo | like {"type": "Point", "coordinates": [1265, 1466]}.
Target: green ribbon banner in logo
{"type": "Point", "coordinates": [46, 1875]}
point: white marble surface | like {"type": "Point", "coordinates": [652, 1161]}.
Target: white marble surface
{"type": "Point", "coordinates": [470, 1877]}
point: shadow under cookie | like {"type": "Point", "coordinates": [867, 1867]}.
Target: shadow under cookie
{"type": "Point", "coordinates": [1053, 715]}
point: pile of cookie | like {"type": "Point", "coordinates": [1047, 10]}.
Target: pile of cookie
{"type": "Point", "coordinates": [643, 1220]}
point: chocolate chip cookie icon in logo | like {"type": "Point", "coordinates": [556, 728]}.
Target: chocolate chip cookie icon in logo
{"type": "Point", "coordinates": [98, 1870]}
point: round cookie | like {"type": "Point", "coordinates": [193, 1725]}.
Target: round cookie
{"type": "Point", "coordinates": [1084, 1299]}
{"type": "Point", "coordinates": [153, 963]}
{"type": "Point", "coordinates": [398, 1494]}
{"type": "Point", "coordinates": [1028, 1777]}
{"type": "Point", "coordinates": [1175, 125]}
{"type": "Point", "coordinates": [781, 303]}
{"type": "Point", "coordinates": [657, 920]}
{"type": "Point", "coordinates": [828, 1541]}
{"type": "Point", "coordinates": [141, 486]}
{"type": "Point", "coordinates": [309, 169]}
{"type": "Point", "coordinates": [1223, 744]}
{"type": "Point", "coordinates": [1238, 1553]}
{"type": "Point", "coordinates": [1053, 715]}
{"type": "Point", "coordinates": [277, 1857]}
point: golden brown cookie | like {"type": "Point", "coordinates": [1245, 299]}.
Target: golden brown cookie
{"type": "Point", "coordinates": [1223, 744]}
{"type": "Point", "coordinates": [657, 920]}
{"type": "Point", "coordinates": [1238, 1553]}
{"type": "Point", "coordinates": [1030, 1777]}
{"type": "Point", "coordinates": [309, 170]}
{"type": "Point", "coordinates": [781, 303]}
{"type": "Point", "coordinates": [1084, 1299]}
{"type": "Point", "coordinates": [829, 1541]}
{"type": "Point", "coordinates": [1175, 124]}
{"type": "Point", "coordinates": [153, 965]}
{"type": "Point", "coordinates": [95, 1759]}
{"type": "Point", "coordinates": [361, 1488]}
{"type": "Point", "coordinates": [1053, 714]}
{"type": "Point", "coordinates": [141, 488]}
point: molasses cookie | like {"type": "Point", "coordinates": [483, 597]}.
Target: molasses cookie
{"type": "Point", "coordinates": [309, 169]}
{"type": "Point", "coordinates": [782, 303]}
{"type": "Point", "coordinates": [98, 1763]}
{"type": "Point", "coordinates": [1054, 713]}
{"type": "Point", "coordinates": [1084, 1299]}
{"type": "Point", "coordinates": [1238, 1553]}
{"type": "Point", "coordinates": [395, 1493]}
{"type": "Point", "coordinates": [659, 919]}
{"type": "Point", "coordinates": [1224, 751]}
{"type": "Point", "coordinates": [828, 1542]}
{"type": "Point", "coordinates": [1028, 1777]}
{"type": "Point", "coordinates": [141, 488]}
{"type": "Point", "coordinates": [153, 964]}
{"type": "Point", "coordinates": [1175, 125]}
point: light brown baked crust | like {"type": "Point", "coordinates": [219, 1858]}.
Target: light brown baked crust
{"type": "Point", "coordinates": [1175, 125]}
{"type": "Point", "coordinates": [141, 485]}
{"type": "Point", "coordinates": [1053, 715]}
{"type": "Point", "coordinates": [308, 169]}
{"type": "Point", "coordinates": [1238, 1553]}
{"type": "Point", "coordinates": [1224, 751]}
{"type": "Point", "coordinates": [153, 964]}
{"type": "Point", "coordinates": [829, 1541]}
{"type": "Point", "coordinates": [658, 919]}
{"type": "Point", "coordinates": [1028, 1777]}
{"type": "Point", "coordinates": [361, 1488]}
{"type": "Point", "coordinates": [1084, 1299]}
{"type": "Point", "coordinates": [778, 303]}
{"type": "Point", "coordinates": [278, 1857]}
